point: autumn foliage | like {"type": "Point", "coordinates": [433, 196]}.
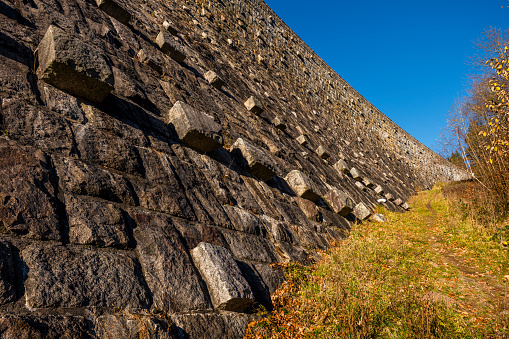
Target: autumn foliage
{"type": "Point", "coordinates": [479, 124]}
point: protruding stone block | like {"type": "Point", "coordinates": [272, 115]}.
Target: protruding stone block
{"type": "Point", "coordinates": [170, 28]}
{"type": "Point", "coordinates": [406, 206]}
{"type": "Point", "coordinates": [378, 218]}
{"type": "Point", "coordinates": [214, 79]}
{"type": "Point", "coordinates": [368, 183]}
{"type": "Point", "coordinates": [339, 201]}
{"type": "Point", "coordinates": [73, 66]}
{"type": "Point", "coordinates": [389, 197]}
{"type": "Point", "coordinates": [259, 164]}
{"type": "Point", "coordinates": [146, 59]}
{"type": "Point", "coordinates": [355, 174]}
{"type": "Point", "coordinates": [114, 10]}
{"type": "Point", "coordinates": [322, 152]}
{"type": "Point", "coordinates": [168, 45]}
{"type": "Point", "coordinates": [361, 211]}
{"type": "Point", "coordinates": [254, 105]}
{"type": "Point", "coordinates": [228, 289]}
{"type": "Point", "coordinates": [342, 167]}
{"type": "Point", "coordinates": [301, 139]}
{"type": "Point", "coordinates": [196, 129]}
{"type": "Point", "coordinates": [398, 202]}
{"type": "Point", "coordinates": [361, 186]}
{"type": "Point", "coordinates": [302, 185]}
{"type": "Point", "coordinates": [279, 123]}
{"type": "Point", "coordinates": [379, 190]}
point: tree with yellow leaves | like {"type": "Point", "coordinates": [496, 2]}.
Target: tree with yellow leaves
{"type": "Point", "coordinates": [479, 123]}
{"type": "Point", "coordinates": [497, 132]}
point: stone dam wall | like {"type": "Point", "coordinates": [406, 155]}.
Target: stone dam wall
{"type": "Point", "coordinates": [157, 157]}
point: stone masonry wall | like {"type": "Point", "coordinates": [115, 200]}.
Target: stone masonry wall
{"type": "Point", "coordinates": [157, 157]}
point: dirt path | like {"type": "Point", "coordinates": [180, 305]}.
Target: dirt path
{"type": "Point", "coordinates": [482, 295]}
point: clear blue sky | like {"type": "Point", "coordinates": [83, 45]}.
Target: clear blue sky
{"type": "Point", "coordinates": [408, 58]}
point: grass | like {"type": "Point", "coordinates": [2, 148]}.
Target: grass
{"type": "Point", "coordinates": [428, 273]}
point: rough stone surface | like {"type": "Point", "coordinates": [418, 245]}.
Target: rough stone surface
{"type": "Point", "coordinates": [50, 327]}
{"type": "Point", "coordinates": [322, 152]}
{"type": "Point", "coordinates": [379, 190]}
{"type": "Point", "coordinates": [98, 146]}
{"type": "Point", "coordinates": [244, 221]}
{"type": "Point", "coordinates": [168, 45]}
{"type": "Point", "coordinates": [254, 105]}
{"type": "Point", "coordinates": [96, 223]}
{"type": "Point", "coordinates": [170, 27]}
{"type": "Point", "coordinates": [389, 196]}
{"type": "Point", "coordinates": [398, 202]}
{"type": "Point", "coordinates": [361, 211]}
{"type": "Point", "coordinates": [148, 60]}
{"type": "Point", "coordinates": [301, 139]}
{"type": "Point", "coordinates": [339, 201]}
{"type": "Point", "coordinates": [378, 218]}
{"type": "Point", "coordinates": [228, 288]}
{"type": "Point", "coordinates": [115, 10]}
{"type": "Point", "coordinates": [195, 128]}
{"type": "Point", "coordinates": [406, 206]}
{"type": "Point", "coordinates": [250, 247]}
{"type": "Point", "coordinates": [226, 325]}
{"type": "Point", "coordinates": [135, 326]}
{"type": "Point", "coordinates": [368, 183]}
{"type": "Point", "coordinates": [361, 186]}
{"type": "Point", "coordinates": [28, 204]}
{"type": "Point", "coordinates": [259, 163]}
{"type": "Point", "coordinates": [74, 66]}
{"type": "Point", "coordinates": [302, 185]}
{"type": "Point", "coordinates": [279, 123]}
{"type": "Point", "coordinates": [214, 79]}
{"type": "Point", "coordinates": [7, 273]}
{"type": "Point", "coordinates": [79, 178]}
{"type": "Point", "coordinates": [355, 174]}
{"type": "Point", "coordinates": [342, 167]}
{"type": "Point", "coordinates": [167, 266]}
{"type": "Point", "coordinates": [66, 276]}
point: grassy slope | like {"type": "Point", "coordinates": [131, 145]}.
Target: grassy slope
{"type": "Point", "coordinates": [423, 274]}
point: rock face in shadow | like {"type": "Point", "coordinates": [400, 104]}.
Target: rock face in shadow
{"type": "Point", "coordinates": [118, 158]}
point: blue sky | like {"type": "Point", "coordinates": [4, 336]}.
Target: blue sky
{"type": "Point", "coordinates": [409, 58]}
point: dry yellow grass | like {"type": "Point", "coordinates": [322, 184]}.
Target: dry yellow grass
{"type": "Point", "coordinates": [428, 273]}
